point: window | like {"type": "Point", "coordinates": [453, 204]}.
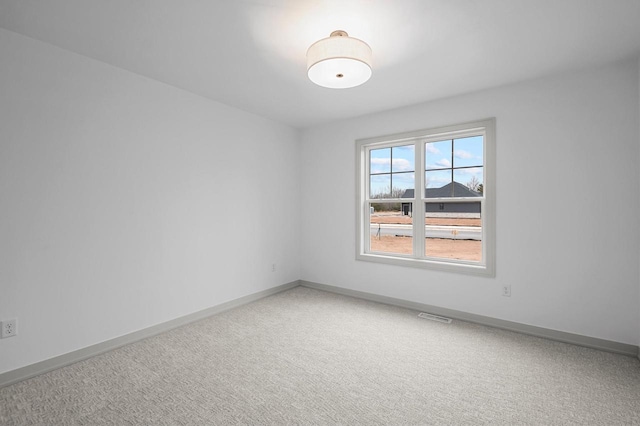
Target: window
{"type": "Point", "coordinates": [427, 198]}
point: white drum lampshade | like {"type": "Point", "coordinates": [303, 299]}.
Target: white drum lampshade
{"type": "Point", "coordinates": [339, 61]}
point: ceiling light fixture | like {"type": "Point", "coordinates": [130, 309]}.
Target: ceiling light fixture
{"type": "Point", "coordinates": [339, 61]}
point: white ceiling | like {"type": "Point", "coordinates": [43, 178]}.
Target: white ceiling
{"type": "Point", "coordinates": [251, 54]}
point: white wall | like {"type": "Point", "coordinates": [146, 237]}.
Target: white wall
{"type": "Point", "coordinates": [567, 204]}
{"type": "Point", "coordinates": [126, 203]}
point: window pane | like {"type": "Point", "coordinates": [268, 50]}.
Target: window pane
{"type": "Point", "coordinates": [380, 161]}
{"type": "Point", "coordinates": [453, 231]}
{"type": "Point", "coordinates": [391, 228]}
{"type": "Point", "coordinates": [438, 184]}
{"type": "Point", "coordinates": [380, 186]}
{"type": "Point", "coordinates": [403, 158]}
{"type": "Point", "coordinates": [401, 182]}
{"type": "Point", "coordinates": [437, 155]}
{"type": "Point", "coordinates": [468, 152]}
{"type": "Point", "coordinates": [471, 178]}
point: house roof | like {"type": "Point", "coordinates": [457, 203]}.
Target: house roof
{"type": "Point", "coordinates": [453, 189]}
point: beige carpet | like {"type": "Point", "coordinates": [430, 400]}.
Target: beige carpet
{"type": "Point", "coordinates": [309, 357]}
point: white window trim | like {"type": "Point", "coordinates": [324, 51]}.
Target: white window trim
{"type": "Point", "coordinates": [487, 266]}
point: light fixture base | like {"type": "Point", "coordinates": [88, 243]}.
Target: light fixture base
{"type": "Point", "coordinates": [339, 33]}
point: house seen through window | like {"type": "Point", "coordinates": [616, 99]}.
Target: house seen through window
{"type": "Point", "coordinates": [426, 198]}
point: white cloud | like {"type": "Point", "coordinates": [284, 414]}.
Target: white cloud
{"type": "Point", "coordinates": [380, 161]}
{"type": "Point", "coordinates": [443, 163]}
{"type": "Point", "coordinates": [379, 165]}
{"type": "Point", "coordinates": [437, 181]}
{"type": "Point", "coordinates": [402, 165]}
{"type": "Point", "coordinates": [476, 171]}
{"type": "Point", "coordinates": [399, 165]}
{"type": "Point", "coordinates": [407, 178]}
{"type": "Point", "coordinates": [462, 154]}
{"type": "Point", "coordinates": [431, 149]}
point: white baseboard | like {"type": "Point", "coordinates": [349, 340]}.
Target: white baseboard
{"type": "Point", "coordinates": [560, 336]}
{"type": "Point", "coordinates": [45, 366]}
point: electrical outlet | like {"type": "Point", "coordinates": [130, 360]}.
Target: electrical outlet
{"type": "Point", "coordinates": [273, 267]}
{"type": "Point", "coordinates": [9, 327]}
{"type": "Point", "coordinates": [506, 290]}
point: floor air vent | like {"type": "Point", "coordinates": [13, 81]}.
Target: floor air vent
{"type": "Point", "coordinates": [434, 317]}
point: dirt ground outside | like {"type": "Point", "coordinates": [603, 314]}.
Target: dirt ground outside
{"type": "Point", "coordinates": [444, 248]}
{"type": "Point", "coordinates": [434, 247]}
{"type": "Point", "coordinates": [397, 218]}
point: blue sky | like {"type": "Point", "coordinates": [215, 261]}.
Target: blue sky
{"type": "Point", "coordinates": [397, 164]}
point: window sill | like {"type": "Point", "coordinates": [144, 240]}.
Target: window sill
{"type": "Point", "coordinates": [447, 265]}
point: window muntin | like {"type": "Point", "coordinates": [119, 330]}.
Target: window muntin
{"type": "Point", "coordinates": [457, 160]}
{"type": "Point", "coordinates": [455, 198]}
{"type": "Point", "coordinates": [391, 170]}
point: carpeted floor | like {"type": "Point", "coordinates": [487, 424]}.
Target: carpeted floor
{"type": "Point", "coordinates": [309, 357]}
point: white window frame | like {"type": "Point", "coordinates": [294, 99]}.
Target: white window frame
{"type": "Point", "coordinates": [486, 266]}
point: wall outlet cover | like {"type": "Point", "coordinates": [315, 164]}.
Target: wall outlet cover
{"type": "Point", "coordinates": [8, 328]}
{"type": "Point", "coordinates": [506, 290]}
